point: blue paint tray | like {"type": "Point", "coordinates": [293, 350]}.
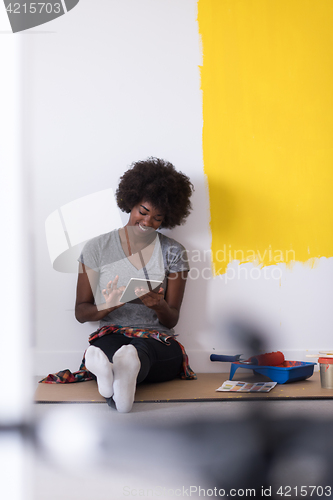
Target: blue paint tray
{"type": "Point", "coordinates": [292, 371]}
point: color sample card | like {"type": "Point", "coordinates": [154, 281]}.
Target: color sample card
{"type": "Point", "coordinates": [230, 386]}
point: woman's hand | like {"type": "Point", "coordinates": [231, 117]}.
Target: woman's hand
{"type": "Point", "coordinates": [150, 299]}
{"type": "Point", "coordinates": [166, 305]}
{"type": "Point", "coordinates": [112, 294]}
{"type": "Point", "coordinates": [86, 308]}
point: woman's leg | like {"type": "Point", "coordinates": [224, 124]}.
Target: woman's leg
{"type": "Point", "coordinates": [143, 360]}
{"type": "Point", "coordinates": [111, 343]}
{"type": "Point", "coordinates": [160, 362]}
{"type": "Point", "coordinates": [124, 364]}
{"type": "Point", "coordinates": [97, 363]}
{"type": "Point", "coordinates": [98, 359]}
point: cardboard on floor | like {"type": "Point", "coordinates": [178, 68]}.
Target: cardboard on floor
{"type": "Point", "coordinates": [202, 389]}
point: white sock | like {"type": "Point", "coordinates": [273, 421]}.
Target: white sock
{"type": "Point", "coordinates": [126, 366]}
{"type": "Point", "coordinates": [98, 363]}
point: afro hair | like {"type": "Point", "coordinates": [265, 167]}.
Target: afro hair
{"type": "Point", "coordinates": [158, 182]}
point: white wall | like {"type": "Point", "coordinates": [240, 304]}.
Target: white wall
{"type": "Point", "coordinates": [14, 220]}
{"type": "Point", "coordinates": [115, 81]}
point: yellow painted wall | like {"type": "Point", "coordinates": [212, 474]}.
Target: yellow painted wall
{"type": "Point", "coordinates": [267, 81]}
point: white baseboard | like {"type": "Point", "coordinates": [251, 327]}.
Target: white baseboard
{"type": "Point", "coordinates": [45, 362]}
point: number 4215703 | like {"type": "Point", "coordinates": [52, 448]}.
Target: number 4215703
{"type": "Point", "coordinates": [34, 8]}
{"type": "Point", "coordinates": [304, 491]}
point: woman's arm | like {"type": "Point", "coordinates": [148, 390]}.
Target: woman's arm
{"type": "Point", "coordinates": [167, 307]}
{"type": "Point", "coordinates": [85, 307]}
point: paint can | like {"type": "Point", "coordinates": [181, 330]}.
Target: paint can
{"type": "Point", "coordinates": [326, 372]}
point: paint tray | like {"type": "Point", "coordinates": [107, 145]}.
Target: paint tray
{"type": "Point", "coordinates": [289, 371]}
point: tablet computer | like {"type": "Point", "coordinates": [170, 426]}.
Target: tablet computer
{"type": "Point", "coordinates": [134, 283]}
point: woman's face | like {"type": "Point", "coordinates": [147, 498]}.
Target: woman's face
{"type": "Point", "coordinates": [145, 218]}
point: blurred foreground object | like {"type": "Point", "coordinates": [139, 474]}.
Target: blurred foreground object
{"type": "Point", "coordinates": [256, 453]}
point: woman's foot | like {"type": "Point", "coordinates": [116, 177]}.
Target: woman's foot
{"type": "Point", "coordinates": [126, 366]}
{"type": "Point", "coordinates": [98, 363]}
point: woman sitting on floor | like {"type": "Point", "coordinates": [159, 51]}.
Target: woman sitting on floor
{"type": "Point", "coordinates": [136, 342]}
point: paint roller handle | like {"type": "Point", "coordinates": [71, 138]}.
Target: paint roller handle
{"type": "Point", "coordinates": [224, 357]}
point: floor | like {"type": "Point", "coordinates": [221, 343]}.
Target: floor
{"type": "Point", "coordinates": [168, 450]}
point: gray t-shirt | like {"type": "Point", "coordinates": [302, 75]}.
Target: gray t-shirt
{"type": "Point", "coordinates": [105, 255]}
